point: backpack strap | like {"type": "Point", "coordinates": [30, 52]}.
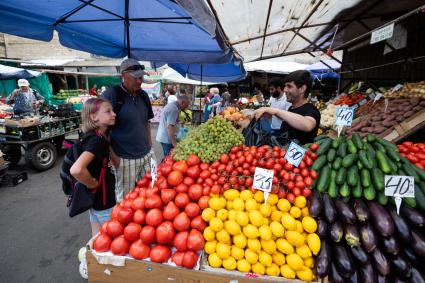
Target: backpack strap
{"type": "Point", "coordinates": [117, 98]}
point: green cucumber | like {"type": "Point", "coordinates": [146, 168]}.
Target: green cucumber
{"type": "Point", "coordinates": [392, 165]}
{"type": "Point", "coordinates": [324, 179]}
{"type": "Point", "coordinates": [331, 155]}
{"type": "Point", "coordinates": [369, 193]}
{"type": "Point", "coordinates": [344, 190]}
{"type": "Point", "coordinates": [393, 154]}
{"type": "Point", "coordinates": [371, 138]}
{"type": "Point", "coordinates": [359, 165]}
{"type": "Point", "coordinates": [387, 144]}
{"type": "Point", "coordinates": [420, 198]}
{"type": "Point", "coordinates": [342, 150]}
{"type": "Point", "coordinates": [353, 176]}
{"type": "Point", "coordinates": [357, 191]}
{"type": "Point", "coordinates": [410, 202]}
{"type": "Point", "coordinates": [382, 199]}
{"type": "Point", "coordinates": [419, 171]}
{"type": "Point", "coordinates": [337, 142]}
{"type": "Point", "coordinates": [332, 190]}
{"type": "Point", "coordinates": [351, 147]}
{"type": "Point", "coordinates": [379, 147]}
{"type": "Point", "coordinates": [411, 172]}
{"type": "Point", "coordinates": [319, 163]}
{"type": "Point", "coordinates": [365, 178]}
{"type": "Point", "coordinates": [378, 179]}
{"type": "Point", "coordinates": [324, 147]}
{"type": "Point", "coordinates": [363, 157]}
{"type": "Point", "coordinates": [370, 149]}
{"type": "Point", "coordinates": [340, 176]}
{"type": "Point", "coordinates": [357, 140]}
{"type": "Point", "coordinates": [349, 160]}
{"type": "Point", "coordinates": [382, 162]}
{"type": "Point", "coordinates": [337, 163]}
{"type": "Point", "coordinates": [321, 137]}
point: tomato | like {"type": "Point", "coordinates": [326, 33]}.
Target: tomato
{"type": "Point", "coordinates": [180, 241]}
{"type": "Point", "coordinates": [290, 185]}
{"type": "Point", "coordinates": [249, 181]}
{"type": "Point", "coordinates": [224, 158]}
{"type": "Point", "coordinates": [151, 192]}
{"type": "Point", "coordinates": [177, 258]}
{"type": "Point", "coordinates": [290, 197]}
{"type": "Point", "coordinates": [193, 172]}
{"type": "Point", "coordinates": [193, 160]}
{"type": "Point", "coordinates": [209, 182]}
{"type": "Point", "coordinates": [204, 166]}
{"type": "Point", "coordinates": [170, 211]}
{"type": "Point", "coordinates": [148, 235]}
{"type": "Point", "coordinates": [203, 202]}
{"type": "Point", "coordinates": [154, 201]}
{"type": "Point", "coordinates": [241, 181]}
{"type": "Point", "coordinates": [125, 215]}
{"type": "Point", "coordinates": [162, 185]}
{"type": "Point", "coordinates": [190, 259]}
{"type": "Point", "coordinates": [181, 200]}
{"type": "Point", "coordinates": [114, 228]}
{"type": "Point", "coordinates": [102, 243]}
{"type": "Point", "coordinates": [132, 195]}
{"type": "Point", "coordinates": [138, 203]}
{"type": "Point", "coordinates": [120, 246]}
{"type": "Point", "coordinates": [232, 156]}
{"type": "Point", "coordinates": [234, 149]}
{"type": "Point", "coordinates": [160, 254]}
{"type": "Point", "coordinates": [127, 203]}
{"type": "Point", "coordinates": [175, 178]}
{"type": "Point", "coordinates": [154, 217]}
{"type": "Point", "coordinates": [132, 232]}
{"type": "Point", "coordinates": [281, 194]}
{"type": "Point", "coordinates": [167, 195]}
{"type": "Point", "coordinates": [188, 181]}
{"type": "Point", "coordinates": [198, 223]}
{"type": "Point", "coordinates": [296, 191]}
{"type": "Point", "coordinates": [181, 166]}
{"type": "Point", "coordinates": [216, 189]}
{"type": "Point", "coordinates": [269, 164]}
{"type": "Point", "coordinates": [181, 222]}
{"type": "Point", "coordinates": [182, 188]}
{"type": "Point", "coordinates": [249, 159]}
{"type": "Point", "coordinates": [165, 232]}
{"type": "Point", "coordinates": [114, 213]}
{"type": "Point", "coordinates": [166, 170]}
{"type": "Point", "coordinates": [195, 241]}
{"type": "Point", "coordinates": [144, 182]}
{"type": "Point", "coordinates": [205, 174]}
{"type": "Point", "coordinates": [252, 168]}
{"type": "Point", "coordinates": [297, 170]}
{"type": "Point", "coordinates": [195, 192]}
{"type": "Point", "coordinates": [229, 168]}
{"type": "Point", "coordinates": [139, 250]}
{"type": "Point", "coordinates": [313, 174]}
{"type": "Point", "coordinates": [314, 147]}
{"type": "Point", "coordinates": [148, 176]}
{"type": "Point", "coordinates": [200, 181]}
{"type": "Point", "coordinates": [221, 168]}
{"type": "Point", "coordinates": [139, 217]}
{"type": "Point", "coordinates": [308, 181]}
{"type": "Point", "coordinates": [206, 191]}
{"type": "Point", "coordinates": [309, 162]}
{"type": "Point", "coordinates": [306, 193]}
{"type": "Point", "coordinates": [192, 210]}
{"type": "Point", "coordinates": [103, 228]}
{"type": "Point", "coordinates": [412, 158]}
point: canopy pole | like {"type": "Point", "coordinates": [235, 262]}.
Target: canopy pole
{"type": "Point", "coordinates": [200, 100]}
{"type": "Point", "coordinates": [127, 27]}
{"type": "Point", "coordinates": [5, 92]}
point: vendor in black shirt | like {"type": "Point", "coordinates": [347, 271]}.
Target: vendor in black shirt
{"type": "Point", "coordinates": [302, 119]}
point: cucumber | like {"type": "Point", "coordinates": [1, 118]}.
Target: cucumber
{"type": "Point", "coordinates": [342, 150]}
{"type": "Point", "coordinates": [365, 178]}
{"type": "Point", "coordinates": [364, 159]}
{"type": "Point", "coordinates": [344, 190]}
{"type": "Point", "coordinates": [319, 163]}
{"type": "Point", "coordinates": [411, 172]}
{"type": "Point", "coordinates": [357, 140]}
{"type": "Point", "coordinates": [378, 179]}
{"type": "Point", "coordinates": [420, 198]}
{"type": "Point", "coordinates": [357, 191]}
{"type": "Point", "coordinates": [359, 165]}
{"type": "Point", "coordinates": [382, 162]}
{"type": "Point", "coordinates": [351, 147]}
{"type": "Point", "coordinates": [324, 179]}
{"type": "Point", "coordinates": [324, 147]}
{"type": "Point", "coordinates": [419, 171]}
{"type": "Point", "coordinates": [387, 144]}
{"type": "Point", "coordinates": [349, 160]}
{"type": "Point", "coordinates": [331, 155]}
{"type": "Point", "coordinates": [340, 176]}
{"type": "Point", "coordinates": [337, 163]}
{"type": "Point", "coordinates": [332, 190]}
{"type": "Point", "coordinates": [410, 202]}
{"type": "Point", "coordinates": [369, 193]}
{"type": "Point", "coordinates": [379, 147]}
{"type": "Point", "coordinates": [393, 154]}
{"type": "Point", "coordinates": [371, 138]}
{"type": "Point", "coordinates": [337, 142]}
{"type": "Point", "coordinates": [353, 176]}
{"type": "Point", "coordinates": [321, 137]}
{"type": "Point", "coordinates": [392, 165]}
{"type": "Point", "coordinates": [370, 149]}
{"type": "Point", "coordinates": [382, 199]}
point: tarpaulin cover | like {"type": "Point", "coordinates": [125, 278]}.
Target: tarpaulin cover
{"type": "Point", "coordinates": [8, 72]}
{"type": "Point", "coordinates": [211, 72]}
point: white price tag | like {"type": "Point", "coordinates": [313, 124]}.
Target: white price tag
{"type": "Point", "coordinates": [377, 97]}
{"type": "Point", "coordinates": [386, 105]}
{"type": "Point", "coordinates": [382, 33]}
{"type": "Point", "coordinates": [263, 180]}
{"type": "Point", "coordinates": [397, 88]}
{"type": "Point", "coordinates": [153, 170]}
{"type": "Point", "coordinates": [399, 187]}
{"type": "Point", "coordinates": [344, 116]}
{"type": "Point", "coordinates": [295, 154]}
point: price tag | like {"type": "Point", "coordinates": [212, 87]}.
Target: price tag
{"type": "Point", "coordinates": [295, 154]}
{"type": "Point", "coordinates": [153, 170]}
{"type": "Point", "coordinates": [362, 102]}
{"type": "Point", "coordinates": [386, 105]}
{"type": "Point", "coordinates": [397, 88]}
{"type": "Point", "coordinates": [344, 116]}
{"type": "Point", "coordinates": [377, 97]}
{"type": "Point", "coordinates": [263, 179]}
{"type": "Point", "coordinates": [399, 187]}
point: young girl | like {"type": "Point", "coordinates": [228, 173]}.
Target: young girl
{"type": "Point", "coordinates": [97, 116]}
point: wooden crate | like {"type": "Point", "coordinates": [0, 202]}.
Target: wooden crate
{"type": "Point", "coordinates": [405, 128]}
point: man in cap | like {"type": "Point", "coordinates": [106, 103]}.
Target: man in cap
{"type": "Point", "coordinates": [25, 99]}
{"type": "Point", "coordinates": [131, 140]}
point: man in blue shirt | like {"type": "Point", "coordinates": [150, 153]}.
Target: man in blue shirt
{"type": "Point", "coordinates": [130, 138]}
{"type": "Point", "coordinates": [25, 100]}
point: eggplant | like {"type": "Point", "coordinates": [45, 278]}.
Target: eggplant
{"type": "Point", "coordinates": [368, 274]}
{"type": "Point", "coordinates": [323, 260]}
{"type": "Point", "coordinates": [401, 227]}
{"type": "Point", "coordinates": [360, 256]}
{"type": "Point", "coordinates": [399, 280]}
{"type": "Point", "coordinates": [401, 266]}
{"type": "Point", "coordinates": [361, 210]}
{"type": "Point", "coordinates": [336, 232]}
{"type": "Point", "coordinates": [391, 245]}
{"type": "Point", "coordinates": [336, 277]}
{"type": "Point", "coordinates": [382, 220]}
{"type": "Point", "coordinates": [418, 243]}
{"type": "Point", "coordinates": [368, 237]}
{"type": "Point", "coordinates": [355, 278]}
{"type": "Point", "coordinates": [416, 276]}
{"type": "Point", "coordinates": [382, 279]}
{"type": "Point", "coordinates": [413, 216]}
{"type": "Point", "coordinates": [345, 213]}
{"type": "Point", "coordinates": [352, 236]}
{"type": "Point", "coordinates": [410, 255]}
{"type": "Point", "coordinates": [322, 228]}
{"type": "Point", "coordinates": [329, 208]}
{"type": "Point", "coordinates": [381, 262]}
{"type": "Point", "coordinates": [343, 260]}
{"type": "Point", "coordinates": [316, 206]}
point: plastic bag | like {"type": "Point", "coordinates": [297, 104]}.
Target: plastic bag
{"type": "Point", "coordinates": [182, 133]}
{"type": "Point", "coordinates": [255, 135]}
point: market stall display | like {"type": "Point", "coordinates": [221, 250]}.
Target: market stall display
{"type": "Point", "coordinates": [407, 90]}
{"type": "Point", "coordinates": [414, 152]}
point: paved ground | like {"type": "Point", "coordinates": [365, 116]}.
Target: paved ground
{"type": "Point", "coordinates": [39, 242]}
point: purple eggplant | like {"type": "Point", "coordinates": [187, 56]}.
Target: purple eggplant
{"type": "Point", "coordinates": [345, 213]}
{"type": "Point", "coordinates": [322, 228]}
{"type": "Point", "coordinates": [316, 205]}
{"type": "Point", "coordinates": [418, 243]}
{"type": "Point", "coordinates": [359, 255]}
{"type": "Point", "coordinates": [361, 210]}
{"type": "Point", "coordinates": [416, 276]}
{"type": "Point", "coordinates": [382, 220]}
{"type": "Point", "coordinates": [401, 266]}
{"type": "Point", "coordinates": [336, 232]}
{"type": "Point", "coordinates": [382, 279]}
{"type": "Point", "coordinates": [401, 227]}
{"type": "Point", "coordinates": [354, 278]}
{"type": "Point", "coordinates": [413, 216]}
{"type": "Point", "coordinates": [323, 260]}
{"type": "Point", "coordinates": [391, 245]}
{"type": "Point", "coordinates": [399, 280]}
{"type": "Point", "coordinates": [409, 254]}
{"type": "Point", "coordinates": [329, 208]}
{"type": "Point", "coordinates": [343, 260]}
{"type": "Point", "coordinates": [368, 237]}
{"type": "Point", "coordinates": [352, 236]}
{"type": "Point", "coordinates": [381, 262]}
{"type": "Point", "coordinates": [335, 275]}
{"type": "Point", "coordinates": [368, 274]}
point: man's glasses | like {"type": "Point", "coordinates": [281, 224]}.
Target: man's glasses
{"type": "Point", "coordinates": [135, 68]}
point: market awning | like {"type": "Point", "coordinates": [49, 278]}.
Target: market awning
{"type": "Point", "coordinates": [212, 72]}
{"type": "Point", "coordinates": [170, 74]}
{"type": "Point", "coordinates": [8, 72]}
{"type": "Point", "coordinates": [274, 67]}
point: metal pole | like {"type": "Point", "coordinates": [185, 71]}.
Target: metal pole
{"type": "Point", "coordinates": [127, 27]}
{"type": "Point", "coordinates": [200, 99]}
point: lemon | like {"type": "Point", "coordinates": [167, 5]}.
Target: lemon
{"type": "Point", "coordinates": [209, 234]}
{"type": "Point", "coordinates": [309, 262]}
{"type": "Point", "coordinates": [300, 201]}
{"type": "Point", "coordinates": [231, 215]}
{"type": "Point", "coordinates": [242, 218]}
{"type": "Point", "coordinates": [240, 241]}
{"type": "Point", "coordinates": [303, 251]}
{"type": "Point", "coordinates": [299, 226]}
{"type": "Point", "coordinates": [305, 274]}
{"type": "Point", "coordinates": [238, 204]}
{"type": "Point", "coordinates": [250, 231]}
{"type": "Point", "coordinates": [258, 268]}
{"type": "Point", "coordinates": [268, 246]}
{"type": "Point", "coordinates": [309, 224]}
{"type": "Point", "coordinates": [229, 205]}
{"type": "Point", "coordinates": [295, 212]}
{"type": "Point", "coordinates": [222, 214]}
{"type": "Point", "coordinates": [208, 214]}
{"type": "Point", "coordinates": [237, 253]}
{"type": "Point", "coordinates": [273, 270]}
{"type": "Point", "coordinates": [265, 232]}
{"type": "Point", "coordinates": [277, 229]}
{"type": "Point", "coordinates": [251, 256]}
{"type": "Point", "coordinates": [254, 244]}
{"type": "Point", "coordinates": [223, 250]}
{"type": "Point", "coordinates": [278, 258]}
{"type": "Point", "coordinates": [266, 221]}
{"type": "Point", "coordinates": [288, 222]}
{"type": "Point", "coordinates": [305, 212]}
{"type": "Point", "coordinates": [231, 194]}
{"type": "Point", "coordinates": [256, 218]}
{"type": "Point", "coordinates": [284, 246]}
{"type": "Point", "coordinates": [259, 196]}
{"type": "Point", "coordinates": [217, 203]}
{"type": "Point", "coordinates": [313, 242]}
{"type": "Point", "coordinates": [223, 237]}
{"type": "Point", "coordinates": [232, 227]}
{"type": "Point", "coordinates": [295, 262]}
{"type": "Point", "coordinates": [229, 263]}
{"type": "Point", "coordinates": [251, 204]}
{"type": "Point", "coordinates": [216, 224]}
{"type": "Point", "coordinates": [274, 207]}
{"type": "Point", "coordinates": [273, 199]}
{"type": "Point", "coordinates": [287, 272]}
{"type": "Point", "coordinates": [214, 260]}
{"type": "Point", "coordinates": [243, 265]}
{"type": "Point", "coordinates": [276, 215]}
{"type": "Point", "coordinates": [210, 247]}
{"type": "Point", "coordinates": [265, 259]}
{"type": "Point", "coordinates": [295, 238]}
{"type": "Point", "coordinates": [265, 210]}
{"type": "Point", "coordinates": [284, 205]}
{"type": "Point", "coordinates": [245, 194]}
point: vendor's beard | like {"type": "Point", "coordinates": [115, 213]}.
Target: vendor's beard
{"type": "Point", "coordinates": [275, 94]}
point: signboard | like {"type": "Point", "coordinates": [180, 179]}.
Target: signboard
{"type": "Point", "coordinates": [295, 154]}
{"type": "Point", "coordinates": [382, 34]}
{"type": "Point", "coordinates": [399, 187]}
{"type": "Point", "coordinates": [344, 116]}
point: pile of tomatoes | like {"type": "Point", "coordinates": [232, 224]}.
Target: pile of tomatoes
{"type": "Point", "coordinates": [414, 152]}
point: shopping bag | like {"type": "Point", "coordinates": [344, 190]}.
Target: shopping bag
{"type": "Point", "coordinates": [255, 135]}
{"type": "Point", "coordinates": [81, 200]}
{"type": "Point", "coordinates": [182, 133]}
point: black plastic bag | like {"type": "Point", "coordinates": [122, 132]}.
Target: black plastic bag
{"type": "Point", "coordinates": [81, 200]}
{"type": "Point", "coordinates": [255, 135]}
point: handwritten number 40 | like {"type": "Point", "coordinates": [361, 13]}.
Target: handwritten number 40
{"type": "Point", "coordinates": [399, 187]}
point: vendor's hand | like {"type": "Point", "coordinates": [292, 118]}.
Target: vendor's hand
{"type": "Point", "coordinates": [260, 112]}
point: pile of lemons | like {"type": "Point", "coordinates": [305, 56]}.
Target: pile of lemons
{"type": "Point", "coordinates": [274, 238]}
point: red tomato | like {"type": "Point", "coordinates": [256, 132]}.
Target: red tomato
{"type": "Point", "coordinates": [138, 250]}
{"type": "Point", "coordinates": [296, 192]}
{"type": "Point", "coordinates": [193, 172]}
{"type": "Point", "coordinates": [154, 217]}
{"type": "Point", "coordinates": [241, 181]}
{"type": "Point", "coordinates": [205, 174]}
{"type": "Point", "coordinates": [314, 147]}
{"type": "Point", "coordinates": [144, 182]}
{"type": "Point", "coordinates": [234, 149]}
{"type": "Point", "coordinates": [181, 222]}
{"type": "Point", "coordinates": [249, 181]}
{"type": "Point", "coordinates": [154, 201]}
{"type": "Point", "coordinates": [200, 181]}
{"type": "Point", "coordinates": [290, 197]}
{"type": "Point", "coordinates": [288, 167]}
{"type": "Point", "coordinates": [290, 185]}
{"type": "Point", "coordinates": [308, 181]}
{"type": "Point", "coordinates": [269, 164]}
{"type": "Point", "coordinates": [148, 235]}
{"type": "Point", "coordinates": [198, 223]}
{"type": "Point", "coordinates": [180, 241]}
{"type": "Point", "coordinates": [127, 203]}
{"type": "Point", "coordinates": [182, 188]}
{"type": "Point", "coordinates": [166, 170]}
{"type": "Point", "coordinates": [193, 160]}
{"type": "Point", "coordinates": [206, 191]}
{"type": "Point", "coordinates": [177, 258]}
{"type": "Point", "coordinates": [162, 185]}
{"type": "Point", "coordinates": [192, 210]}
{"type": "Point", "coordinates": [132, 195]}
{"type": "Point", "coordinates": [216, 189]}
{"type": "Point", "coordinates": [181, 166]}
{"type": "Point", "coordinates": [277, 167]}
{"type": "Point", "coordinates": [195, 192]}
{"type": "Point", "coordinates": [224, 158]}
{"type": "Point", "coordinates": [138, 203]}
{"type": "Point", "coordinates": [167, 195]}
{"type": "Point", "coordinates": [181, 200]}
{"type": "Point", "coordinates": [209, 182]}
{"type": "Point", "coordinates": [313, 174]}
{"type": "Point", "coordinates": [114, 228]}
{"type": "Point", "coordinates": [188, 181]}
{"type": "Point", "coordinates": [103, 228]}
{"type": "Point", "coordinates": [132, 232]}
{"type": "Point", "coordinates": [297, 170]}
{"type": "Point", "coordinates": [229, 168]}
{"type": "Point", "coordinates": [139, 217]}
{"type": "Point", "coordinates": [175, 178]}
{"type": "Point", "coordinates": [151, 192]}
{"type": "Point", "coordinates": [120, 246]}
{"type": "Point", "coordinates": [102, 243]}
{"type": "Point", "coordinates": [195, 241]}
{"type": "Point", "coordinates": [160, 254]}
{"type": "Point", "coordinates": [203, 202]}
{"type": "Point", "coordinates": [281, 194]}
{"type": "Point", "coordinates": [306, 193]}
{"type": "Point", "coordinates": [114, 213]}
{"type": "Point", "coordinates": [214, 177]}
{"type": "Point", "coordinates": [309, 162]}
{"type": "Point", "coordinates": [249, 159]}
{"type": "Point", "coordinates": [190, 259]}
{"type": "Point", "coordinates": [170, 211]}
{"type": "Point", "coordinates": [204, 166]}
{"type": "Point", "coordinates": [221, 168]}
{"type": "Point", "coordinates": [165, 232]}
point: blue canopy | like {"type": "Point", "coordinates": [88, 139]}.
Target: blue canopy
{"type": "Point", "coordinates": [149, 30]}
{"type": "Point", "coordinates": [8, 72]}
{"type": "Point", "coordinates": [321, 70]}
{"type": "Point", "coordinates": [233, 71]}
